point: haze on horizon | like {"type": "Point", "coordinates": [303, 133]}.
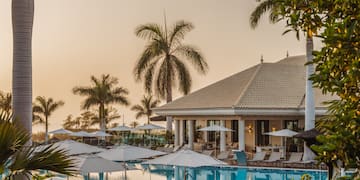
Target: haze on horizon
{"type": "Point", "coordinates": [73, 40]}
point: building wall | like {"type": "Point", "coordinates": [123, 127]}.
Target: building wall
{"type": "Point", "coordinates": [275, 123]}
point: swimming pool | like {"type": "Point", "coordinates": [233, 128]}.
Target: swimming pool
{"type": "Point", "coordinates": [156, 172]}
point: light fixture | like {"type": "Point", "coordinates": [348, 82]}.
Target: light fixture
{"type": "Point", "coordinates": [273, 129]}
{"type": "Point", "coordinates": [250, 128]}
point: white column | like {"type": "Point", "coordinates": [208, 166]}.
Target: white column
{"type": "Point", "coordinates": [222, 137]}
{"type": "Point", "coordinates": [191, 134]}
{"type": "Point", "coordinates": [241, 135]}
{"type": "Point", "coordinates": [309, 97]}
{"type": "Point", "coordinates": [176, 139]}
{"type": "Point", "coordinates": [181, 132]}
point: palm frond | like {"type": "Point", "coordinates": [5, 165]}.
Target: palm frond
{"type": "Point", "coordinates": [150, 31]}
{"type": "Point", "coordinates": [194, 56]}
{"type": "Point", "coordinates": [179, 30]}
{"type": "Point", "coordinates": [50, 158]}
{"type": "Point", "coordinates": [182, 74]}
{"type": "Point", "coordinates": [260, 10]}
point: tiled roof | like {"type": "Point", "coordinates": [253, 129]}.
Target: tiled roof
{"type": "Point", "coordinates": [266, 85]}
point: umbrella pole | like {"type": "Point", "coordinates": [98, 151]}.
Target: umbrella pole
{"type": "Point", "coordinates": [125, 170]}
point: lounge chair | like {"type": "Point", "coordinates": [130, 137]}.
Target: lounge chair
{"type": "Point", "coordinates": [274, 156]}
{"type": "Point", "coordinates": [208, 152]}
{"type": "Point", "coordinates": [259, 156]}
{"type": "Point", "coordinates": [223, 155]}
{"type": "Point", "coordinates": [295, 157]}
{"type": "Point", "coordinates": [240, 157]}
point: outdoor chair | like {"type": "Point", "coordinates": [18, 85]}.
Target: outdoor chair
{"type": "Point", "coordinates": [223, 155]}
{"type": "Point", "coordinates": [208, 152]}
{"type": "Point", "coordinates": [274, 156]}
{"type": "Point", "coordinates": [240, 157]}
{"type": "Point", "coordinates": [295, 157]}
{"type": "Point", "coordinates": [259, 156]}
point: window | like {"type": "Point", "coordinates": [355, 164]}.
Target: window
{"type": "Point", "coordinates": [291, 124]}
{"type": "Point", "coordinates": [235, 133]}
{"type": "Point", "coordinates": [211, 134]}
{"type": "Point", "coordinates": [262, 126]}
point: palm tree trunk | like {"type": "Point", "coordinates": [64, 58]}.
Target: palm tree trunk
{"type": "Point", "coordinates": [22, 20]}
{"type": "Point", "coordinates": [101, 118]}
{"type": "Point", "coordinates": [309, 96]}
{"type": "Point", "coordinates": [46, 129]}
{"type": "Point", "coordinates": [168, 99]}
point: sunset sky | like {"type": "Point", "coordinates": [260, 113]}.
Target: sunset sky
{"type": "Point", "coordinates": [74, 39]}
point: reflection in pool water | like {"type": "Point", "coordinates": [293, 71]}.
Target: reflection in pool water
{"type": "Point", "coordinates": [156, 172]}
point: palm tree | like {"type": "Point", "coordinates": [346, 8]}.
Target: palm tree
{"type": "Point", "coordinates": [295, 13]}
{"type": "Point", "coordinates": [5, 102]}
{"type": "Point", "coordinates": [43, 109]}
{"type": "Point", "coordinates": [69, 122]}
{"type": "Point", "coordinates": [134, 124]}
{"type": "Point", "coordinates": [110, 114]}
{"type": "Point", "coordinates": [145, 108]}
{"type": "Point", "coordinates": [21, 160]}
{"type": "Point", "coordinates": [103, 92]}
{"type": "Point", "coordinates": [22, 21]}
{"type": "Point", "coordinates": [161, 65]}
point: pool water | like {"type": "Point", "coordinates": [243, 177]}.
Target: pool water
{"type": "Point", "coordinates": [156, 172]}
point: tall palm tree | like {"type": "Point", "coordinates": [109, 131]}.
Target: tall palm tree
{"type": "Point", "coordinates": [22, 21]}
{"type": "Point", "coordinates": [162, 64]}
{"type": "Point", "coordinates": [295, 12]}
{"type": "Point", "coordinates": [134, 124]}
{"type": "Point", "coordinates": [101, 93]}
{"type": "Point", "coordinates": [145, 108]}
{"type": "Point", "coordinates": [43, 109]}
{"type": "Point", "coordinates": [18, 158]}
{"type": "Point", "coordinates": [5, 102]}
{"type": "Point", "coordinates": [110, 114]}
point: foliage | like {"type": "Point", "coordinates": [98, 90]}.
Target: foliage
{"type": "Point", "coordinates": [306, 177]}
{"type": "Point", "coordinates": [337, 73]}
{"type": "Point", "coordinates": [42, 110]}
{"type": "Point", "coordinates": [5, 102]}
{"type": "Point", "coordinates": [17, 157]}
{"type": "Point", "coordinates": [145, 108]}
{"type": "Point", "coordinates": [134, 124]}
{"type": "Point", "coordinates": [102, 92]}
{"type": "Point", "coordinates": [161, 65]}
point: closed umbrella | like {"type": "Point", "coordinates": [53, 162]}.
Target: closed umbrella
{"type": "Point", "coordinates": [282, 133]}
{"type": "Point", "coordinates": [215, 128]}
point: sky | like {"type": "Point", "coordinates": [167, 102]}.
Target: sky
{"type": "Point", "coordinates": [74, 39]}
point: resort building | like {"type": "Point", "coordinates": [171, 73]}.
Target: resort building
{"type": "Point", "coordinates": [262, 98]}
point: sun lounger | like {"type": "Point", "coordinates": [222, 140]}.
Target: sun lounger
{"type": "Point", "coordinates": [259, 156]}
{"type": "Point", "coordinates": [208, 152]}
{"type": "Point", "coordinates": [295, 157]}
{"type": "Point", "coordinates": [274, 156]}
{"type": "Point", "coordinates": [223, 155]}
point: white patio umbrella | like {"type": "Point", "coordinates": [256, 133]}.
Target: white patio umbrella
{"type": "Point", "coordinates": [215, 128]}
{"type": "Point", "coordinates": [122, 129]}
{"type": "Point", "coordinates": [75, 148]}
{"type": "Point", "coordinates": [100, 134]}
{"type": "Point", "coordinates": [186, 158]}
{"type": "Point", "coordinates": [282, 133]}
{"type": "Point", "coordinates": [129, 153]}
{"type": "Point", "coordinates": [60, 131]}
{"type": "Point", "coordinates": [82, 134]}
{"type": "Point", "coordinates": [126, 153]}
{"type": "Point", "coordinates": [150, 127]}
{"type": "Point", "coordinates": [93, 163]}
